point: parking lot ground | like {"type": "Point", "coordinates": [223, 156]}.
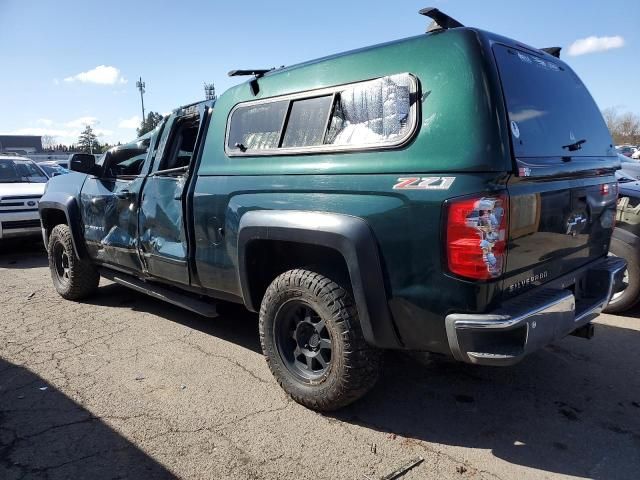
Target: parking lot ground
{"type": "Point", "coordinates": [122, 386]}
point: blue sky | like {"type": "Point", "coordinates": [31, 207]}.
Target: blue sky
{"type": "Point", "coordinates": [50, 49]}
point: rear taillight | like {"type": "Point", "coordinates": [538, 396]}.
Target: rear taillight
{"type": "Point", "coordinates": [476, 239]}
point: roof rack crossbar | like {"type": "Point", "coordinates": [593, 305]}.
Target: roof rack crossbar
{"type": "Point", "coordinates": [555, 51]}
{"type": "Point", "coordinates": [258, 72]}
{"type": "Point", "coordinates": [441, 21]}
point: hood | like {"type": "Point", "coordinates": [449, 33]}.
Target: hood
{"type": "Point", "coordinates": [629, 189]}
{"type": "Point", "coordinates": [21, 189]}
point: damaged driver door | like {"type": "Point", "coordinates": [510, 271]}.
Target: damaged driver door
{"type": "Point", "coordinates": [109, 206]}
{"type": "Point", "coordinates": [161, 224]}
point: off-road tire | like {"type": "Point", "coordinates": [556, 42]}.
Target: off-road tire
{"type": "Point", "coordinates": [354, 366]}
{"type": "Point", "coordinates": [631, 295]}
{"type": "Point", "coordinates": [81, 278]}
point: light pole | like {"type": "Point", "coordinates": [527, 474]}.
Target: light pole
{"type": "Point", "coordinates": [209, 91]}
{"type": "Point", "coordinates": [140, 86]}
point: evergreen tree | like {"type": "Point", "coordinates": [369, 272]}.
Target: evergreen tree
{"type": "Point", "coordinates": [149, 123]}
{"type": "Point", "coordinates": [88, 141]}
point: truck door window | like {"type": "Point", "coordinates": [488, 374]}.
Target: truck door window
{"type": "Point", "coordinates": [125, 163]}
{"type": "Point", "coordinates": [182, 145]}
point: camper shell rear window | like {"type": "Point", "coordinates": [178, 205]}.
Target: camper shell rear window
{"type": "Point", "coordinates": [379, 113]}
{"type": "Point", "coordinates": [549, 107]}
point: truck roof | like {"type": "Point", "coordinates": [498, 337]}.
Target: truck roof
{"type": "Point", "coordinates": [488, 36]}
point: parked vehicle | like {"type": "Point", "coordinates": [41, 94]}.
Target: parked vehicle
{"type": "Point", "coordinates": [452, 192]}
{"type": "Point", "coordinates": [636, 155]}
{"type": "Point", "coordinates": [22, 184]}
{"type": "Point", "coordinates": [628, 167]}
{"type": "Point", "coordinates": [626, 150]}
{"type": "Point", "coordinates": [52, 168]}
{"type": "Point", "coordinates": [625, 242]}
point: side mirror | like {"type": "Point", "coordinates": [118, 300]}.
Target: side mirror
{"type": "Point", "coordinates": [83, 163]}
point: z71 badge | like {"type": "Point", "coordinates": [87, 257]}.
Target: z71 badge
{"type": "Point", "coordinates": [424, 183]}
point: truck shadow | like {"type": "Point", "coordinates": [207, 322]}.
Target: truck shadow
{"type": "Point", "coordinates": [234, 324]}
{"type": "Point", "coordinates": [573, 408]}
{"type": "Point", "coordinates": [23, 253]}
{"type": "Point", "coordinates": [45, 434]}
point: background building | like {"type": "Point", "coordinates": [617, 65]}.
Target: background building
{"type": "Point", "coordinates": [23, 144]}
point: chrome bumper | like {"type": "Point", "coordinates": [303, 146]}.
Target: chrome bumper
{"type": "Point", "coordinates": [533, 320]}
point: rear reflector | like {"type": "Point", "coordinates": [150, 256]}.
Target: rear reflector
{"type": "Point", "coordinates": [477, 236]}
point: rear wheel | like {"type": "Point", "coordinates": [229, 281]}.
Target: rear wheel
{"type": "Point", "coordinates": [73, 278]}
{"type": "Point", "coordinates": [627, 298]}
{"type": "Point", "coordinates": [313, 343]}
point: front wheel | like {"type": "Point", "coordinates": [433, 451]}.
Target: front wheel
{"type": "Point", "coordinates": [311, 337]}
{"type": "Point", "coordinates": [73, 278]}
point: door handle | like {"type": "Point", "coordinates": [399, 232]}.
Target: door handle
{"type": "Point", "coordinates": [123, 194]}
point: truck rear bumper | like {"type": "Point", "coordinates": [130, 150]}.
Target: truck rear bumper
{"type": "Point", "coordinates": [533, 320]}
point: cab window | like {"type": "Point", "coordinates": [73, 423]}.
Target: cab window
{"type": "Point", "coordinates": [126, 162]}
{"type": "Point", "coordinates": [182, 145]}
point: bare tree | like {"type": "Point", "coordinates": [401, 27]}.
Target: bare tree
{"type": "Point", "coordinates": [48, 142]}
{"type": "Point", "coordinates": [624, 128]}
{"type": "Point", "coordinates": [629, 126]}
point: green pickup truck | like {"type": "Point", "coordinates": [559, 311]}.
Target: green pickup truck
{"type": "Point", "coordinates": [451, 192]}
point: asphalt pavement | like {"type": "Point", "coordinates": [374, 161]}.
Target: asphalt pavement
{"type": "Point", "coordinates": [123, 386]}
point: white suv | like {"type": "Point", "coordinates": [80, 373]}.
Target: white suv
{"type": "Point", "coordinates": [22, 184]}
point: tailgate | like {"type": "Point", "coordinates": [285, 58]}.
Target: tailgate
{"type": "Point", "coordinates": [555, 227]}
{"type": "Point", "coordinates": [563, 191]}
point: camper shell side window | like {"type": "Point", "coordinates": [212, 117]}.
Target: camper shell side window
{"type": "Point", "coordinates": [373, 114]}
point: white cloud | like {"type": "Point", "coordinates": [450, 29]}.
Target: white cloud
{"type": "Point", "coordinates": [133, 122]}
{"type": "Point", "coordinates": [102, 132]}
{"type": "Point", "coordinates": [44, 121]}
{"type": "Point", "coordinates": [101, 75]}
{"type": "Point", "coordinates": [595, 44]}
{"type": "Point", "coordinates": [82, 122]}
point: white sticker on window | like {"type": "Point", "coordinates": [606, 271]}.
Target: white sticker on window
{"type": "Point", "coordinates": [514, 129]}
{"type": "Point", "coordinates": [524, 58]}
{"type": "Point", "coordinates": [540, 62]}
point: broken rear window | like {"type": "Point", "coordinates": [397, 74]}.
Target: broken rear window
{"type": "Point", "coordinates": [377, 113]}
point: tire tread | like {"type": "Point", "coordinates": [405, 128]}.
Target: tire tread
{"type": "Point", "coordinates": [83, 279]}
{"type": "Point", "coordinates": [360, 363]}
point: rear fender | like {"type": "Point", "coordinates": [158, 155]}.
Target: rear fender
{"type": "Point", "coordinates": [351, 237]}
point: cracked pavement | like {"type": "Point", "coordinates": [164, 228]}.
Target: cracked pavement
{"type": "Point", "coordinates": [123, 386]}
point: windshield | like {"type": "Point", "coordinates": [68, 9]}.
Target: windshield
{"type": "Point", "coordinates": [53, 170]}
{"type": "Point", "coordinates": [551, 113]}
{"type": "Point", "coordinates": [21, 171]}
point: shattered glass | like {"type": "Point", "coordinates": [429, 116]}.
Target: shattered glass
{"type": "Point", "coordinates": [372, 112]}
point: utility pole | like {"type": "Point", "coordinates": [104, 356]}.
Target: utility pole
{"type": "Point", "coordinates": [140, 86]}
{"type": "Point", "coordinates": [209, 91]}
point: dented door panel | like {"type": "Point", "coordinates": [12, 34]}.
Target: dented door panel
{"type": "Point", "coordinates": [109, 212]}
{"type": "Point", "coordinates": [163, 242]}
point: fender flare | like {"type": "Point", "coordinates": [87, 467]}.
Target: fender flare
{"type": "Point", "coordinates": [351, 237]}
{"type": "Point", "coordinates": [69, 206]}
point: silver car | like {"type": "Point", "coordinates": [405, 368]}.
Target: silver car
{"type": "Point", "coordinates": [22, 184]}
